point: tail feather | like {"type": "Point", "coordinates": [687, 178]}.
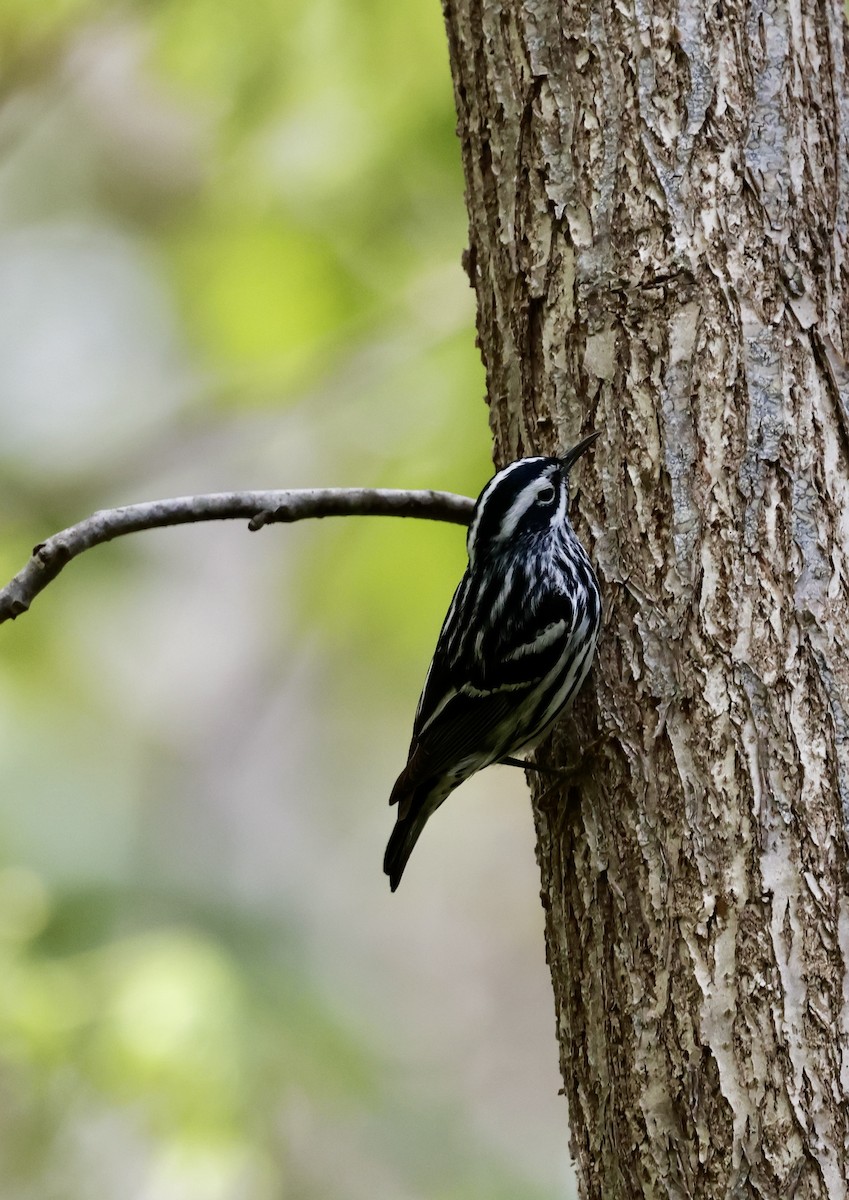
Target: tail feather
{"type": "Point", "coordinates": [418, 796]}
{"type": "Point", "coordinates": [402, 840]}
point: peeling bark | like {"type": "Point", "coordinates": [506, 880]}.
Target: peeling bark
{"type": "Point", "coordinates": [657, 200]}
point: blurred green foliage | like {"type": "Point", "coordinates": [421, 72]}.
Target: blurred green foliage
{"type": "Point", "coordinates": [229, 256]}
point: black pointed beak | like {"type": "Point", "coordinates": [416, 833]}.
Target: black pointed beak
{"type": "Point", "coordinates": [571, 456]}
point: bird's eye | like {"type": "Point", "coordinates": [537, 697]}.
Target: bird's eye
{"type": "Point", "coordinates": [546, 494]}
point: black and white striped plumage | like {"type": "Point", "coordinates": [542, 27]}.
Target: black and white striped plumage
{"type": "Point", "coordinates": [516, 644]}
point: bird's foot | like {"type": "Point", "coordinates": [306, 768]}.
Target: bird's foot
{"type": "Point", "coordinates": [566, 775]}
{"type": "Point", "coordinates": [529, 766]}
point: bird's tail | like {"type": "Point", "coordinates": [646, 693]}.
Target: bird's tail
{"type": "Point", "coordinates": [400, 846]}
{"type": "Point", "coordinates": [415, 806]}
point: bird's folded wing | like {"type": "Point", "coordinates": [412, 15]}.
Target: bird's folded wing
{"type": "Point", "coordinates": [468, 725]}
{"type": "Point", "coordinates": [522, 648]}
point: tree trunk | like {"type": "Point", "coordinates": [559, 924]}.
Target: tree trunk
{"type": "Point", "coordinates": [657, 199]}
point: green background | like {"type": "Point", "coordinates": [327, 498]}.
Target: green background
{"type": "Point", "coordinates": [230, 240]}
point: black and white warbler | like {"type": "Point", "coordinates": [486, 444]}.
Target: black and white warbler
{"type": "Point", "coordinates": [516, 645]}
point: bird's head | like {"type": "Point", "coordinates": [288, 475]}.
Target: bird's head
{"type": "Point", "coordinates": [528, 499]}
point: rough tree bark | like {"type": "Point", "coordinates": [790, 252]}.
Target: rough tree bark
{"type": "Point", "coordinates": [657, 197]}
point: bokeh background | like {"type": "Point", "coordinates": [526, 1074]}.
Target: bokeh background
{"type": "Point", "coordinates": [230, 239]}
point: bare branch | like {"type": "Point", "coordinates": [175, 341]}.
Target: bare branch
{"type": "Point", "coordinates": [259, 508]}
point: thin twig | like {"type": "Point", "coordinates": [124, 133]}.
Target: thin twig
{"type": "Point", "coordinates": [259, 508]}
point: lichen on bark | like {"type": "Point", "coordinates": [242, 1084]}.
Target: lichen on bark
{"type": "Point", "coordinates": [657, 201]}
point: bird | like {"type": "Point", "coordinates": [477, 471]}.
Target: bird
{"type": "Point", "coordinates": [516, 644]}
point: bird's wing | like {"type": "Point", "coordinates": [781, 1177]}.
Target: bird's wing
{"type": "Point", "coordinates": [446, 671]}
{"type": "Point", "coordinates": [500, 632]}
{"type": "Point", "coordinates": [476, 683]}
{"type": "Point", "coordinates": [528, 642]}
{"type": "Point", "coordinates": [464, 727]}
